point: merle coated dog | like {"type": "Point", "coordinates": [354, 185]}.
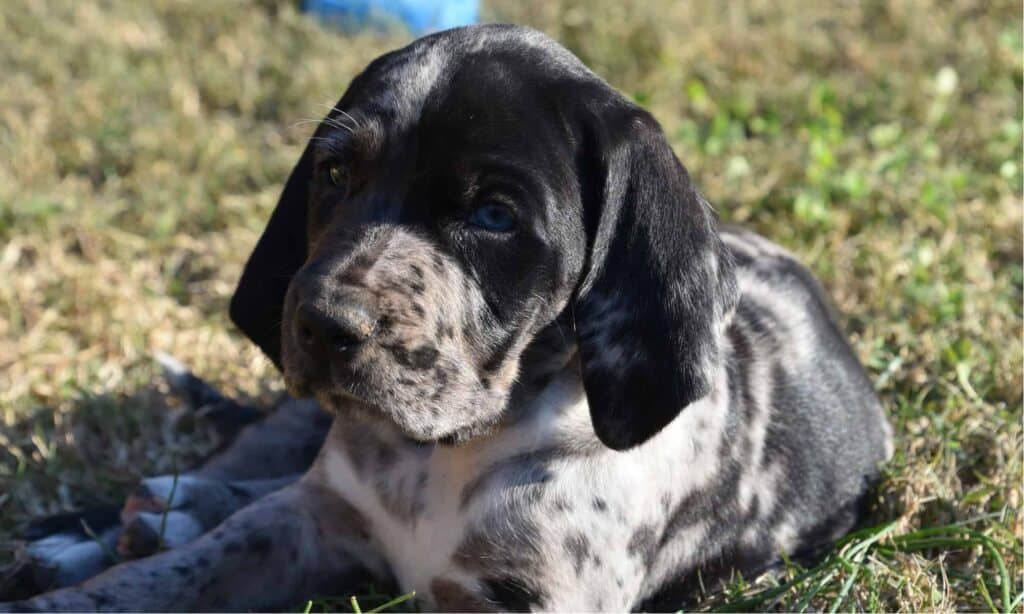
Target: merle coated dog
{"type": "Point", "coordinates": [556, 381]}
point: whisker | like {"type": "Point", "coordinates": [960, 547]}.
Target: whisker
{"type": "Point", "coordinates": [303, 122]}
{"type": "Point", "coordinates": [330, 121]}
{"type": "Point", "coordinates": [354, 121]}
{"type": "Point", "coordinates": [334, 108]}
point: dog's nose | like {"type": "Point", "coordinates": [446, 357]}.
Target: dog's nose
{"type": "Point", "coordinates": [332, 328]}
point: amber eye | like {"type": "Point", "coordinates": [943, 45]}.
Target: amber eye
{"type": "Point", "coordinates": [338, 175]}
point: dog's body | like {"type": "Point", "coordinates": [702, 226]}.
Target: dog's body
{"type": "Point", "coordinates": [574, 392]}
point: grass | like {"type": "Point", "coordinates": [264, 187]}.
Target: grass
{"type": "Point", "coordinates": [143, 145]}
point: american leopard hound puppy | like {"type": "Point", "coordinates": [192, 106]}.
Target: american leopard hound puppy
{"type": "Point", "coordinates": [557, 383]}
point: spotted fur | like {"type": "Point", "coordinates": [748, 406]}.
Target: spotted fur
{"type": "Point", "coordinates": [608, 406]}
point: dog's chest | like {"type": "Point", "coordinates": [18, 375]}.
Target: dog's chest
{"type": "Point", "coordinates": [420, 511]}
{"type": "Point", "coordinates": [423, 522]}
{"type": "Point", "coordinates": [479, 528]}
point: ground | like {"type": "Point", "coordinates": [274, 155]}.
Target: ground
{"type": "Point", "coordinates": [143, 145]}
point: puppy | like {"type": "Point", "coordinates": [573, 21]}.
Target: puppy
{"type": "Point", "coordinates": [558, 383]}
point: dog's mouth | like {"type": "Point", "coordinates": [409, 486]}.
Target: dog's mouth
{"type": "Point", "coordinates": [339, 400]}
{"type": "Point", "coordinates": [297, 388]}
{"type": "Point", "coordinates": [329, 390]}
{"type": "Point", "coordinates": [350, 401]}
{"type": "Point", "coordinates": [343, 402]}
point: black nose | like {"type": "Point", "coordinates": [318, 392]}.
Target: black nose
{"type": "Point", "coordinates": [335, 327]}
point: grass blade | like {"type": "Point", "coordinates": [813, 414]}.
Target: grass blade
{"type": "Point", "coordinates": [106, 549]}
{"type": "Point", "coordinates": [167, 508]}
{"type": "Point", "coordinates": [392, 603]}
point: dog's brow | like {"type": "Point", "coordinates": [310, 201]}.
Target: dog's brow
{"type": "Point", "coordinates": [346, 138]}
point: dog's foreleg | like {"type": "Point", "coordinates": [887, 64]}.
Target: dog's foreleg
{"type": "Point", "coordinates": [170, 511]}
{"type": "Point", "coordinates": [286, 547]}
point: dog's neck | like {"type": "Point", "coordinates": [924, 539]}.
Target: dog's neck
{"type": "Point", "coordinates": [548, 409]}
{"type": "Point", "coordinates": [549, 399]}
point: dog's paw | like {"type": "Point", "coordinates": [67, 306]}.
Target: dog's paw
{"type": "Point", "coordinates": [170, 511]}
{"type": "Point", "coordinates": [62, 550]}
{"type": "Point", "coordinates": [227, 416]}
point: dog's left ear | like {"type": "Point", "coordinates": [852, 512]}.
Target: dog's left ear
{"type": "Point", "coordinates": [258, 303]}
{"type": "Point", "coordinates": [650, 312]}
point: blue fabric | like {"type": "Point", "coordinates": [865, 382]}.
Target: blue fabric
{"type": "Point", "coordinates": [419, 16]}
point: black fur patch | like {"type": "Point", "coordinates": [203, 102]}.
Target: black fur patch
{"type": "Point", "coordinates": [513, 594]}
{"type": "Point", "coordinates": [578, 546]}
{"type": "Point", "coordinates": [644, 545]}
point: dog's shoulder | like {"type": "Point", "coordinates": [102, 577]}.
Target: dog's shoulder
{"type": "Point", "coordinates": [788, 354]}
{"type": "Point", "coordinates": [784, 311]}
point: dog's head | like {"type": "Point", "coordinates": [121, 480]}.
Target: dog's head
{"type": "Point", "coordinates": [468, 193]}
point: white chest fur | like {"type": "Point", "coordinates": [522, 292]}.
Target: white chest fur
{"type": "Point", "coordinates": [419, 546]}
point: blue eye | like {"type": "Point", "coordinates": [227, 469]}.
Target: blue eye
{"type": "Point", "coordinates": [494, 217]}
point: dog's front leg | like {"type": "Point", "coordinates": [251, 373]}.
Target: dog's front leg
{"type": "Point", "coordinates": [287, 547]}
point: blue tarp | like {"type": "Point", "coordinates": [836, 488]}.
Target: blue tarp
{"type": "Point", "coordinates": [419, 16]}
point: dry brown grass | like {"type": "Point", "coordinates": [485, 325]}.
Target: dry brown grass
{"type": "Point", "coordinates": [142, 146]}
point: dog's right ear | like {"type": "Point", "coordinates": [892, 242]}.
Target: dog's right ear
{"type": "Point", "coordinates": [258, 303]}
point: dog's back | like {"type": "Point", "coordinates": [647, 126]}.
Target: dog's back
{"type": "Point", "coordinates": [804, 437]}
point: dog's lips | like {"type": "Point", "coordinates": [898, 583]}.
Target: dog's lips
{"type": "Point", "coordinates": [339, 397]}
{"type": "Point", "coordinates": [296, 387]}
{"type": "Point", "coordinates": [303, 384]}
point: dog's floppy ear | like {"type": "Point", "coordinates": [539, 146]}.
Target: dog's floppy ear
{"type": "Point", "coordinates": [256, 307]}
{"type": "Point", "coordinates": [659, 285]}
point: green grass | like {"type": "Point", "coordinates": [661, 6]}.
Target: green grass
{"type": "Point", "coordinates": [143, 145]}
